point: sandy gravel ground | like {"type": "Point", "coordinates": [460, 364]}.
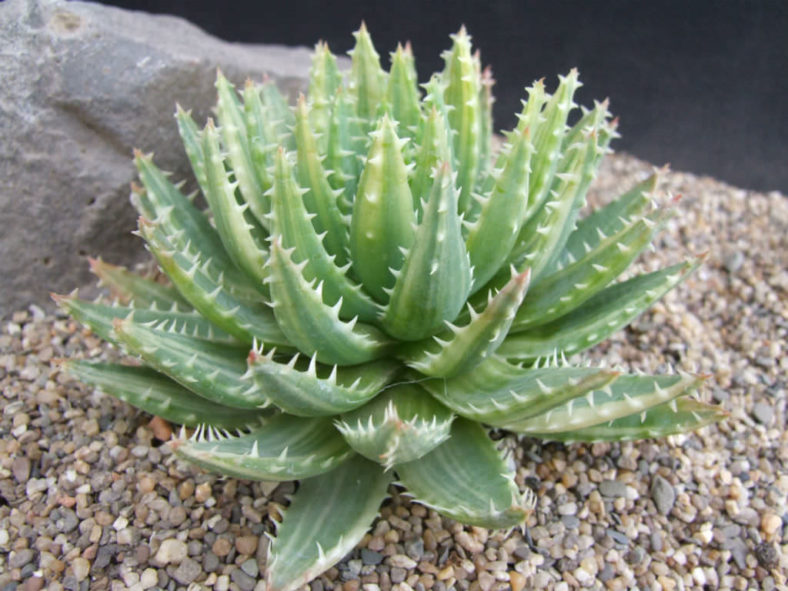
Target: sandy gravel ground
{"type": "Point", "coordinates": [90, 498]}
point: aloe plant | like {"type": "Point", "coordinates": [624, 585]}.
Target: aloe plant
{"type": "Point", "coordinates": [373, 288]}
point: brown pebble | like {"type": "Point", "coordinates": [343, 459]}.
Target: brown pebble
{"type": "Point", "coordinates": [351, 585]}
{"type": "Point", "coordinates": [221, 547]}
{"type": "Point", "coordinates": [162, 430]}
{"type": "Point", "coordinates": [33, 584]}
{"type": "Point", "coordinates": [246, 544]}
{"type": "Point", "coordinates": [186, 489]}
{"type": "Point", "coordinates": [90, 552]}
{"type": "Point", "coordinates": [21, 469]}
{"type": "Point", "coordinates": [203, 492]}
{"type": "Point", "coordinates": [770, 523]}
{"type": "Point", "coordinates": [516, 580]}
{"type": "Point", "coordinates": [146, 484]}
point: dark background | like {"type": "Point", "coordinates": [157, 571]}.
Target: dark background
{"type": "Point", "coordinates": [698, 83]}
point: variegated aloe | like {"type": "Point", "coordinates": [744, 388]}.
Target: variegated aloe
{"type": "Point", "coordinates": [374, 287]}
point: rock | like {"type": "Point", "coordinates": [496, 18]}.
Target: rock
{"type": "Point", "coordinates": [663, 494]}
{"type": "Point", "coordinates": [244, 581]}
{"type": "Point", "coordinates": [20, 558]}
{"type": "Point", "coordinates": [89, 83]}
{"type": "Point", "coordinates": [21, 469]}
{"type": "Point", "coordinates": [767, 554]}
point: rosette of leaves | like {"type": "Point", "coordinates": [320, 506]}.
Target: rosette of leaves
{"type": "Point", "coordinates": [372, 288]}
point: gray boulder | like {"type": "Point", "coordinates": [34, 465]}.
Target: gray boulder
{"type": "Point", "coordinates": [82, 85]}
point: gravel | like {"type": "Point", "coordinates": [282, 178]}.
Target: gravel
{"type": "Point", "coordinates": [91, 499]}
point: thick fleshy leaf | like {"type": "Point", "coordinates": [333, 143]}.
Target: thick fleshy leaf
{"type": "Point", "coordinates": [605, 221]}
{"type": "Point", "coordinates": [137, 291]}
{"type": "Point", "coordinates": [608, 311]}
{"type": "Point", "coordinates": [400, 425]}
{"type": "Point", "coordinates": [678, 416]}
{"type": "Point", "coordinates": [283, 448]}
{"type": "Point", "coordinates": [563, 291]}
{"type": "Point", "coordinates": [158, 395]}
{"type": "Point", "coordinates": [465, 478]}
{"type": "Point", "coordinates": [207, 289]}
{"type": "Point", "coordinates": [346, 148]}
{"type": "Point", "coordinates": [463, 88]}
{"type": "Point", "coordinates": [242, 236]}
{"type": "Point", "coordinates": [100, 318]}
{"type": "Point", "coordinates": [328, 516]}
{"type": "Point", "coordinates": [163, 203]}
{"type": "Point", "coordinates": [309, 390]}
{"type": "Point", "coordinates": [548, 133]}
{"type": "Point", "coordinates": [500, 394]}
{"type": "Point", "coordinates": [292, 223]}
{"type": "Point", "coordinates": [320, 199]}
{"type": "Point", "coordinates": [263, 142]}
{"type": "Point", "coordinates": [213, 371]}
{"type": "Point", "coordinates": [435, 279]}
{"type": "Point", "coordinates": [383, 218]}
{"type": "Point", "coordinates": [235, 140]}
{"type": "Point", "coordinates": [434, 149]}
{"type": "Point", "coordinates": [367, 78]}
{"type": "Point", "coordinates": [279, 113]}
{"type": "Point", "coordinates": [402, 93]}
{"type": "Point", "coordinates": [311, 325]}
{"type": "Point", "coordinates": [324, 81]}
{"type": "Point", "coordinates": [628, 394]}
{"type": "Point", "coordinates": [471, 344]}
{"type": "Point", "coordinates": [492, 235]}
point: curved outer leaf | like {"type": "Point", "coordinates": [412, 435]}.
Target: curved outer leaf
{"type": "Point", "coordinates": [400, 425]}
{"type": "Point", "coordinates": [435, 279]}
{"type": "Point", "coordinates": [463, 87]}
{"type": "Point", "coordinates": [324, 81]}
{"type": "Point", "coordinates": [608, 311]}
{"type": "Point", "coordinates": [311, 325]}
{"type": "Point", "coordinates": [565, 290]}
{"type": "Point", "coordinates": [240, 232]}
{"type": "Point", "coordinates": [548, 133]}
{"type": "Point", "coordinates": [291, 221]}
{"type": "Point", "coordinates": [206, 290]}
{"type": "Point", "coordinates": [158, 395]}
{"type": "Point", "coordinates": [328, 516]}
{"type": "Point", "coordinates": [629, 394]}
{"type": "Point", "coordinates": [472, 343]}
{"type": "Point", "coordinates": [100, 318]}
{"type": "Point", "coordinates": [466, 479]}
{"type": "Point", "coordinates": [215, 372]}
{"type": "Point", "coordinates": [492, 235]}
{"type": "Point", "coordinates": [383, 218]}
{"type": "Point", "coordinates": [605, 221]}
{"type": "Point", "coordinates": [236, 142]}
{"type": "Point", "coordinates": [318, 391]}
{"type": "Point", "coordinates": [137, 291]}
{"type": "Point", "coordinates": [320, 199]}
{"type": "Point", "coordinates": [664, 419]}
{"type": "Point", "coordinates": [402, 92]}
{"type": "Point", "coordinates": [283, 448]}
{"type": "Point", "coordinates": [542, 236]}
{"type": "Point", "coordinates": [163, 203]}
{"type": "Point", "coordinates": [499, 394]}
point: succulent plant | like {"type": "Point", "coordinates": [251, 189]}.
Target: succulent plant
{"type": "Point", "coordinates": [374, 287]}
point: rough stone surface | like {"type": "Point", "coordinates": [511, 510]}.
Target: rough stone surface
{"type": "Point", "coordinates": [84, 84]}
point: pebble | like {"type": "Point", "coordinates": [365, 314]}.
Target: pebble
{"type": "Point", "coordinates": [763, 413]}
{"type": "Point", "coordinates": [88, 481]}
{"type": "Point", "coordinates": [612, 488]}
{"type": "Point", "coordinates": [171, 551]}
{"type": "Point", "coordinates": [663, 494]}
{"type": "Point", "coordinates": [81, 568]}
